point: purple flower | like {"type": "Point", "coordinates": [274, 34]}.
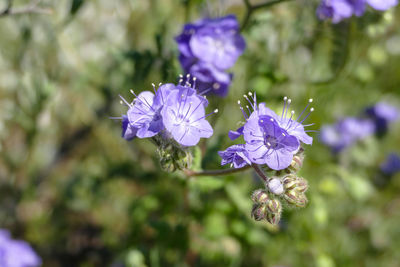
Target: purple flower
{"type": "Point", "coordinates": [207, 48]}
{"type": "Point", "coordinates": [291, 126]}
{"type": "Point", "coordinates": [215, 41]}
{"type": "Point", "coordinates": [210, 78]}
{"type": "Point", "coordinates": [267, 143]}
{"type": "Point", "coordinates": [184, 116]}
{"type": "Point", "coordinates": [346, 132]}
{"type": "Point", "coordinates": [382, 5]}
{"type": "Point", "coordinates": [128, 131]}
{"type": "Point", "coordinates": [236, 155]}
{"type": "Point", "coordinates": [16, 253]}
{"type": "Point", "coordinates": [391, 165]}
{"type": "Point", "coordinates": [144, 118]}
{"type": "Point", "coordinates": [337, 10]}
{"type": "Point", "coordinates": [383, 114]}
{"type": "Point", "coordinates": [270, 139]}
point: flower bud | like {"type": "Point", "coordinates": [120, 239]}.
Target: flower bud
{"type": "Point", "coordinates": [293, 182]}
{"type": "Point", "coordinates": [289, 182]}
{"type": "Point", "coordinates": [275, 186]}
{"type": "Point", "coordinates": [259, 212]}
{"type": "Point", "coordinates": [274, 206]}
{"type": "Point", "coordinates": [273, 218]}
{"type": "Point", "coordinates": [297, 163]}
{"type": "Point", "coordinates": [296, 198]}
{"type": "Point", "coordinates": [259, 196]}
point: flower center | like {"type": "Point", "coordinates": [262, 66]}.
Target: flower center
{"type": "Point", "coordinates": [271, 141]}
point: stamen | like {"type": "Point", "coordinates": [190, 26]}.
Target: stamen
{"type": "Point", "coordinates": [311, 110]}
{"type": "Point", "coordinates": [301, 114]}
{"type": "Point", "coordinates": [288, 106]}
{"type": "Point", "coordinates": [284, 106]}
{"type": "Point", "coordinates": [126, 102]}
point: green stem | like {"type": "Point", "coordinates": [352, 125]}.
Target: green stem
{"type": "Point", "coordinates": [251, 8]}
{"type": "Point", "coordinates": [215, 172]}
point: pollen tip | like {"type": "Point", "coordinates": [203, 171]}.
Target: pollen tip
{"type": "Point", "coordinates": [216, 111]}
{"type": "Point", "coordinates": [292, 112]}
{"type": "Point", "coordinates": [289, 101]}
{"type": "Point", "coordinates": [311, 109]}
{"type": "Point", "coordinates": [250, 94]}
{"type": "Point", "coordinates": [194, 78]}
{"type": "Point", "coordinates": [310, 100]}
{"type": "Point", "coordinates": [180, 75]}
{"type": "Point", "coordinates": [159, 84]}
{"type": "Point", "coordinates": [238, 102]}
{"type": "Point", "coordinates": [285, 98]}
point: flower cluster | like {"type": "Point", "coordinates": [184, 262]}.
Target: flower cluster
{"type": "Point", "coordinates": [16, 253]}
{"type": "Point", "coordinates": [270, 139]}
{"type": "Point", "coordinates": [273, 143]}
{"type": "Point", "coordinates": [337, 10]}
{"type": "Point", "coordinates": [348, 131]}
{"type": "Point", "coordinates": [208, 48]}
{"type": "Point", "coordinates": [173, 116]}
{"type": "Point", "coordinates": [173, 111]}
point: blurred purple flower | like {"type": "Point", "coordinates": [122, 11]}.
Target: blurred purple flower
{"type": "Point", "coordinates": [236, 155]}
{"type": "Point", "coordinates": [16, 253]}
{"type": "Point", "coordinates": [210, 78]}
{"type": "Point", "coordinates": [207, 48]}
{"type": "Point", "coordinates": [337, 10]}
{"type": "Point", "coordinates": [346, 132]}
{"type": "Point", "coordinates": [391, 164]}
{"type": "Point", "coordinates": [383, 114]}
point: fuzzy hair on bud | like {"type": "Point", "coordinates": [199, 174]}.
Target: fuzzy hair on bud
{"type": "Point", "coordinates": [259, 196]}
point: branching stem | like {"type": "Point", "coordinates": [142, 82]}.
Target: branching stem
{"type": "Point", "coordinates": [32, 7]}
{"type": "Point", "coordinates": [252, 8]}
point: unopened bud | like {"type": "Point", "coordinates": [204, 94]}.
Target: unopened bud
{"type": "Point", "coordinates": [274, 206]}
{"type": "Point", "coordinates": [259, 212]}
{"type": "Point", "coordinates": [296, 198]}
{"type": "Point", "coordinates": [259, 196]}
{"type": "Point", "coordinates": [297, 163]}
{"type": "Point", "coordinates": [273, 218]}
{"type": "Point", "coordinates": [275, 186]}
{"type": "Point", "coordinates": [291, 182]}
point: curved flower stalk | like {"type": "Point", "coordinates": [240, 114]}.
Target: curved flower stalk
{"type": "Point", "coordinates": [273, 143]}
{"type": "Point", "coordinates": [173, 117]}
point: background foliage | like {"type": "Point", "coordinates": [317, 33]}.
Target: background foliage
{"type": "Point", "coordinates": [83, 196]}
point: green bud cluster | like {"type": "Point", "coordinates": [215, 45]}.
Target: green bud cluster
{"type": "Point", "coordinates": [283, 185]}
{"type": "Point", "coordinates": [174, 158]}
{"type": "Point", "coordinates": [295, 188]}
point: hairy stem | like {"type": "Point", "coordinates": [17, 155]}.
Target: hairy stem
{"type": "Point", "coordinates": [215, 172]}
{"type": "Point", "coordinates": [260, 173]}
{"type": "Point", "coordinates": [251, 8]}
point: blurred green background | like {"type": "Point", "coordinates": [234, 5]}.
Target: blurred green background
{"type": "Point", "coordinates": [83, 196]}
